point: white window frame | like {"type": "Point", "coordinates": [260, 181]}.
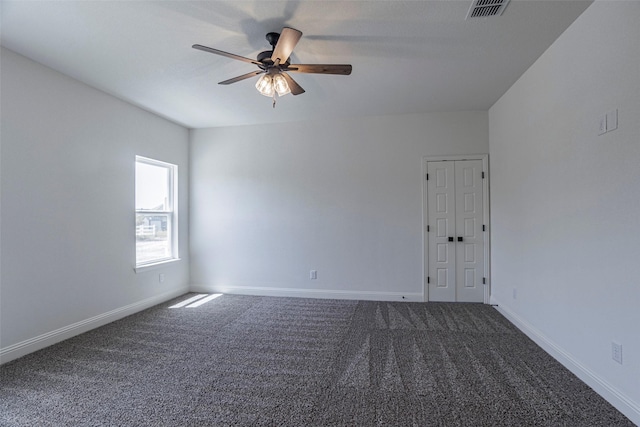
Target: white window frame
{"type": "Point", "coordinates": [171, 210]}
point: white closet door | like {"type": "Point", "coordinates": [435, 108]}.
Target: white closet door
{"type": "Point", "coordinates": [455, 237]}
{"type": "Point", "coordinates": [469, 236]}
{"type": "Point", "coordinates": [442, 217]}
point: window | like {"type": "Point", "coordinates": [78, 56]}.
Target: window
{"type": "Point", "coordinates": [156, 212]}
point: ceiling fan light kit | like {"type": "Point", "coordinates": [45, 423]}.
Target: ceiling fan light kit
{"type": "Point", "coordinates": [269, 84]}
{"type": "Point", "coordinates": [274, 65]}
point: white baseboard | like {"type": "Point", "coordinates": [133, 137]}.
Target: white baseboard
{"type": "Point", "coordinates": [616, 398]}
{"type": "Point", "coordinates": [310, 293]}
{"type": "Point", "coordinates": [45, 340]}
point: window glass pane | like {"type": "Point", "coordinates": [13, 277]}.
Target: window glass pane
{"type": "Point", "coordinates": [156, 231]}
{"type": "Point", "coordinates": [152, 189]}
{"type": "Point", "coordinates": [153, 241]}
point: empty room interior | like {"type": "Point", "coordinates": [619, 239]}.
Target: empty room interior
{"type": "Point", "coordinates": [434, 157]}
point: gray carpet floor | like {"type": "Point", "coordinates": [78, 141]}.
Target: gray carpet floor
{"type": "Point", "coordinates": [249, 361]}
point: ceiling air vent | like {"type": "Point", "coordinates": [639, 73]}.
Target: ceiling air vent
{"type": "Point", "coordinates": [485, 8]}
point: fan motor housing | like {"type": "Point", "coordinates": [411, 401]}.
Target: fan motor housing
{"type": "Point", "coordinates": [265, 58]}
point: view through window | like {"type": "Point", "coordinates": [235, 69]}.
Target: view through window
{"type": "Point", "coordinates": [156, 228]}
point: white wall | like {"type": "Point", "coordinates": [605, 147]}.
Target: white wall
{"type": "Point", "coordinates": [67, 206]}
{"type": "Point", "coordinates": [272, 202]}
{"type": "Point", "coordinates": [565, 208]}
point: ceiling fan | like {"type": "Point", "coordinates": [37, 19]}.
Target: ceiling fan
{"type": "Point", "coordinates": [274, 65]}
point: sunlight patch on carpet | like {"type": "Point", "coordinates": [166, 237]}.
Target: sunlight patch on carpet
{"type": "Point", "coordinates": [204, 300]}
{"type": "Point", "coordinates": [188, 301]}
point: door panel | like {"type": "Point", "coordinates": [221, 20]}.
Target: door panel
{"type": "Point", "coordinates": [455, 209]}
{"type": "Point", "coordinates": [442, 227]}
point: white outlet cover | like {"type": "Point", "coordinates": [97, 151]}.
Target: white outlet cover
{"type": "Point", "coordinates": [616, 352]}
{"type": "Point", "coordinates": [603, 125]}
{"type": "Point", "coordinates": [612, 120]}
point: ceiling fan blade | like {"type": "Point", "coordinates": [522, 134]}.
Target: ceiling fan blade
{"type": "Point", "coordinates": [289, 38]}
{"type": "Point", "coordinates": [242, 77]}
{"type": "Point", "coordinates": [227, 54]}
{"type": "Point", "coordinates": [343, 69]}
{"type": "Point", "coordinates": [296, 89]}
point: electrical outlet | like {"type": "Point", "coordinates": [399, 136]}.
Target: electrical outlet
{"type": "Point", "coordinates": [313, 274]}
{"type": "Point", "coordinates": [161, 277]}
{"type": "Point", "coordinates": [612, 120]}
{"type": "Point", "coordinates": [602, 129]}
{"type": "Point", "coordinates": [616, 352]}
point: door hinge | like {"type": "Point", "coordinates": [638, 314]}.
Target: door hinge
{"type": "Point", "coordinates": [427, 177]}
{"type": "Point", "coordinates": [484, 280]}
{"type": "Point", "coordinates": [482, 174]}
{"type": "Point", "coordinates": [483, 228]}
{"type": "Point", "coordinates": [428, 279]}
{"type": "Point", "coordinates": [428, 229]}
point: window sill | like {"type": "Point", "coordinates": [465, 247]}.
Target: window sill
{"type": "Point", "coordinates": [154, 266]}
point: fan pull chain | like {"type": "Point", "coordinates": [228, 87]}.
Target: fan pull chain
{"type": "Point", "coordinates": [274, 100]}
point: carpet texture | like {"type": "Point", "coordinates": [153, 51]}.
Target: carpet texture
{"type": "Point", "coordinates": [253, 361]}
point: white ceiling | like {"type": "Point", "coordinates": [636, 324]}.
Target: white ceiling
{"type": "Point", "coordinates": [407, 56]}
